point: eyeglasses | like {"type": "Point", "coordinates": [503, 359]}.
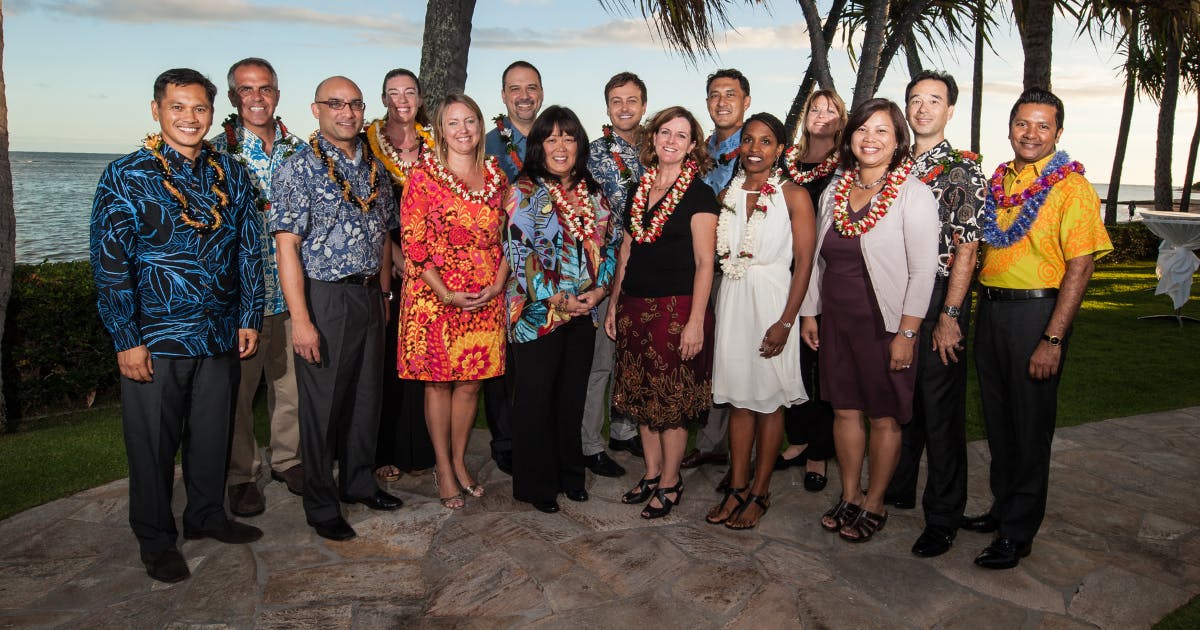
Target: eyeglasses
{"type": "Point", "coordinates": [338, 104]}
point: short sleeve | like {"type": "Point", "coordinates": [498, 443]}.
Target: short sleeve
{"type": "Point", "coordinates": [1082, 232]}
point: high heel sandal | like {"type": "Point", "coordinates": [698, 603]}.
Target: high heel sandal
{"type": "Point", "coordinates": [762, 501]}
{"type": "Point", "coordinates": [473, 489]}
{"type": "Point", "coordinates": [652, 512]}
{"type": "Point", "coordinates": [641, 491]}
{"type": "Point", "coordinates": [712, 519]}
{"type": "Point", "coordinates": [452, 502]}
{"type": "Point", "coordinates": [863, 527]}
{"type": "Point", "coordinates": [840, 515]}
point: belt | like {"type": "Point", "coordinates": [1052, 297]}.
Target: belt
{"type": "Point", "coordinates": [1005, 295]}
{"type": "Point", "coordinates": [357, 279]}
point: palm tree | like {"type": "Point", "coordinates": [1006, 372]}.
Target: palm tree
{"type": "Point", "coordinates": [1035, 24]}
{"type": "Point", "coordinates": [8, 218]}
{"type": "Point", "coordinates": [1191, 75]}
{"type": "Point", "coordinates": [820, 39]}
{"type": "Point", "coordinates": [444, 48]}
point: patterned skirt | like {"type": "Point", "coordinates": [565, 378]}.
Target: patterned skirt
{"type": "Point", "coordinates": [650, 381]}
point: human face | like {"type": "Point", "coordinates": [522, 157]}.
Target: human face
{"type": "Point", "coordinates": [822, 119]}
{"type": "Point", "coordinates": [339, 126]}
{"type": "Point", "coordinates": [929, 109]}
{"type": "Point", "coordinates": [760, 148]}
{"type": "Point", "coordinates": [626, 107]}
{"type": "Point", "coordinates": [874, 143]}
{"type": "Point", "coordinates": [522, 95]}
{"type": "Point", "coordinates": [185, 115]}
{"type": "Point", "coordinates": [460, 129]}
{"type": "Point", "coordinates": [561, 152]}
{"type": "Point", "coordinates": [402, 98]}
{"type": "Point", "coordinates": [727, 103]}
{"type": "Point", "coordinates": [673, 141]}
{"type": "Point", "coordinates": [255, 95]}
{"type": "Point", "coordinates": [1033, 133]}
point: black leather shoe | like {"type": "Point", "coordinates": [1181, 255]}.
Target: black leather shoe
{"type": "Point", "coordinates": [578, 496]}
{"type": "Point", "coordinates": [245, 499]}
{"type": "Point", "coordinates": [166, 565]}
{"type": "Point", "coordinates": [335, 528]}
{"type": "Point", "coordinates": [603, 465]}
{"type": "Point", "coordinates": [378, 501]}
{"type": "Point", "coordinates": [903, 503]}
{"type": "Point", "coordinates": [231, 532]}
{"type": "Point", "coordinates": [699, 458]}
{"type": "Point", "coordinates": [549, 507]}
{"type": "Point", "coordinates": [1003, 553]}
{"type": "Point", "coordinates": [984, 523]}
{"type": "Point", "coordinates": [633, 446]}
{"type": "Point", "coordinates": [783, 463]}
{"type": "Point", "coordinates": [293, 478]}
{"type": "Point", "coordinates": [815, 482]}
{"type": "Point", "coordinates": [932, 542]}
{"type": "Point", "coordinates": [503, 461]}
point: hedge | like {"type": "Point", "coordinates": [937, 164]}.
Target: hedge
{"type": "Point", "coordinates": [1131, 241]}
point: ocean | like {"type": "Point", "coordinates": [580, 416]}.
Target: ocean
{"type": "Point", "coordinates": [53, 195]}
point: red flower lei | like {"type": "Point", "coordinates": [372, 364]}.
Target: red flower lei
{"type": "Point", "coordinates": [579, 220]}
{"type": "Point", "coordinates": [341, 182]}
{"type": "Point", "coordinates": [791, 158]}
{"type": "Point", "coordinates": [509, 145]}
{"type": "Point", "coordinates": [493, 179]}
{"type": "Point", "coordinates": [154, 143]}
{"type": "Point", "coordinates": [729, 157]}
{"type": "Point", "coordinates": [665, 208]}
{"type": "Point", "coordinates": [231, 139]}
{"type": "Point", "coordinates": [879, 205]}
{"type": "Point", "coordinates": [622, 168]}
{"type": "Point", "coordinates": [1047, 180]}
{"type": "Point", "coordinates": [954, 156]}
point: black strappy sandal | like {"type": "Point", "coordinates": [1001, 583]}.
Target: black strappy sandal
{"type": "Point", "coordinates": [863, 527]}
{"type": "Point", "coordinates": [641, 491]}
{"type": "Point", "coordinates": [735, 493]}
{"type": "Point", "coordinates": [660, 492]}
{"type": "Point", "coordinates": [762, 501]}
{"type": "Point", "coordinates": [840, 515]}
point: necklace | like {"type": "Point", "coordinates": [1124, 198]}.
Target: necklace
{"type": "Point", "coordinates": [493, 179]}
{"type": "Point", "coordinates": [510, 146]}
{"type": "Point", "coordinates": [954, 156]}
{"type": "Point", "coordinates": [154, 143]}
{"type": "Point", "coordinates": [580, 220]}
{"type": "Point", "coordinates": [879, 205]}
{"type": "Point", "coordinates": [1031, 200]}
{"type": "Point", "coordinates": [341, 182]}
{"type": "Point", "coordinates": [859, 184]}
{"type": "Point", "coordinates": [397, 167]}
{"type": "Point", "coordinates": [823, 169]}
{"type": "Point", "coordinates": [637, 229]}
{"type": "Point", "coordinates": [735, 266]}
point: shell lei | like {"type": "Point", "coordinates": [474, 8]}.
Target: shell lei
{"type": "Point", "coordinates": [154, 143]}
{"type": "Point", "coordinates": [879, 205]}
{"type": "Point", "coordinates": [645, 235]}
{"type": "Point", "coordinates": [1031, 200]}
{"type": "Point", "coordinates": [397, 168]}
{"type": "Point", "coordinates": [341, 182]}
{"type": "Point", "coordinates": [735, 266]}
{"type": "Point", "coordinates": [792, 159]}
{"type": "Point", "coordinates": [493, 179]}
{"type": "Point", "coordinates": [579, 220]}
{"type": "Point", "coordinates": [509, 146]}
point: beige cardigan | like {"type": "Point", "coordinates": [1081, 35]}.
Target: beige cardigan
{"type": "Point", "coordinates": [900, 254]}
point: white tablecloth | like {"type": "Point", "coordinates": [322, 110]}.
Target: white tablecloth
{"type": "Point", "coordinates": [1180, 232]}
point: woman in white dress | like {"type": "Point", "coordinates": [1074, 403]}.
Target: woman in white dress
{"type": "Point", "coordinates": [765, 239]}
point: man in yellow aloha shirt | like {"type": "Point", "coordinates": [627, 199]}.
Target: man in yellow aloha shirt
{"type": "Point", "coordinates": [1042, 234]}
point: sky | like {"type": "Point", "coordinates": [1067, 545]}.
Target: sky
{"type": "Point", "coordinates": [79, 73]}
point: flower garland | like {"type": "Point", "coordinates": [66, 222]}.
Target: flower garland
{"type": "Point", "coordinates": [1031, 200]}
{"type": "Point", "coordinates": [235, 147]}
{"type": "Point", "coordinates": [946, 162]}
{"type": "Point", "coordinates": [342, 183]}
{"type": "Point", "coordinates": [493, 178]}
{"type": "Point", "coordinates": [580, 220]}
{"type": "Point", "coordinates": [387, 153]}
{"type": "Point", "coordinates": [826, 167]}
{"type": "Point", "coordinates": [154, 143]}
{"type": "Point", "coordinates": [509, 145]}
{"type": "Point", "coordinates": [611, 142]}
{"type": "Point", "coordinates": [645, 235]}
{"type": "Point", "coordinates": [735, 267]}
{"type": "Point", "coordinates": [879, 205]}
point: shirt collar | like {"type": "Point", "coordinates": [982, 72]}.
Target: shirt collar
{"type": "Point", "coordinates": [1037, 166]}
{"type": "Point", "coordinates": [180, 163]}
{"type": "Point", "coordinates": [725, 145]}
{"type": "Point", "coordinates": [339, 157]}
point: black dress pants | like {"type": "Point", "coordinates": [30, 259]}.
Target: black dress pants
{"type": "Point", "coordinates": [810, 422]}
{"type": "Point", "coordinates": [549, 387]}
{"type": "Point", "coordinates": [1018, 411]}
{"type": "Point", "coordinates": [190, 401]}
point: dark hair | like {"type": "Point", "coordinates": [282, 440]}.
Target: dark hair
{"type": "Point", "coordinates": [859, 117]}
{"type": "Point", "coordinates": [518, 64]}
{"type": "Point", "coordinates": [621, 78]}
{"type": "Point", "coordinates": [1039, 96]}
{"type": "Point", "coordinates": [729, 73]}
{"type": "Point", "coordinates": [933, 75]}
{"type": "Point", "coordinates": [182, 77]}
{"type": "Point", "coordinates": [568, 124]}
{"type": "Point", "coordinates": [422, 116]}
{"type": "Point", "coordinates": [777, 129]}
{"type": "Point", "coordinates": [646, 154]}
{"type": "Point", "coordinates": [251, 61]}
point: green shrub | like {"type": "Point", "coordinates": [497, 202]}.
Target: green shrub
{"type": "Point", "coordinates": [1131, 241]}
{"type": "Point", "coordinates": [57, 354]}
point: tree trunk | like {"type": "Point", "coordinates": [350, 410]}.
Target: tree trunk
{"type": "Point", "coordinates": [1114, 179]}
{"type": "Point", "coordinates": [1036, 26]}
{"type": "Point", "coordinates": [899, 32]}
{"type": "Point", "coordinates": [1190, 172]}
{"type": "Point", "coordinates": [1163, 199]}
{"type": "Point", "coordinates": [444, 48]}
{"type": "Point", "coordinates": [795, 116]}
{"type": "Point", "coordinates": [868, 62]}
{"type": "Point", "coordinates": [912, 56]}
{"type": "Point", "coordinates": [977, 75]}
{"type": "Point", "coordinates": [8, 219]}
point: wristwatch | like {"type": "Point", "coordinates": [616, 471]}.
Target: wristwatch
{"type": "Point", "coordinates": [1053, 340]}
{"type": "Point", "coordinates": [908, 333]}
{"type": "Point", "coordinates": [952, 311]}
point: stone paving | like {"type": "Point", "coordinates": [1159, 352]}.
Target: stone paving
{"type": "Point", "coordinates": [1119, 549]}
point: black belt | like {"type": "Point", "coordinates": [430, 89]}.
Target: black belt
{"type": "Point", "coordinates": [1005, 295]}
{"type": "Point", "coordinates": [357, 279]}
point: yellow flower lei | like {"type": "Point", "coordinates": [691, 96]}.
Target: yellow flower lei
{"type": "Point", "coordinates": [382, 148]}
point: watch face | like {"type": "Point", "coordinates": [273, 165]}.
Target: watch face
{"type": "Point", "coordinates": [909, 334]}
{"type": "Point", "coordinates": [952, 311]}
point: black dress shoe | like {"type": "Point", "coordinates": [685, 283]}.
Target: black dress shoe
{"type": "Point", "coordinates": [503, 461]}
{"type": "Point", "coordinates": [549, 507]}
{"type": "Point", "coordinates": [1003, 553]}
{"type": "Point", "coordinates": [245, 499]}
{"type": "Point", "coordinates": [231, 532]}
{"type": "Point", "coordinates": [578, 496]}
{"type": "Point", "coordinates": [603, 465]}
{"type": "Point", "coordinates": [335, 528]}
{"type": "Point", "coordinates": [984, 523]}
{"type": "Point", "coordinates": [293, 478]}
{"type": "Point", "coordinates": [633, 446]}
{"type": "Point", "coordinates": [783, 463]}
{"type": "Point", "coordinates": [903, 503]}
{"type": "Point", "coordinates": [932, 542]}
{"type": "Point", "coordinates": [815, 482]}
{"type": "Point", "coordinates": [166, 565]}
{"type": "Point", "coordinates": [378, 501]}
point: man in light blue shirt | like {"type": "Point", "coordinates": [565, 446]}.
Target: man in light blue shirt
{"type": "Point", "coordinates": [521, 91]}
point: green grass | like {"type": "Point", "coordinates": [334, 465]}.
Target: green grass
{"type": "Point", "coordinates": [1186, 617]}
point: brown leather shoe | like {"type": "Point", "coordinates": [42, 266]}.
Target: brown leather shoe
{"type": "Point", "coordinates": [246, 500]}
{"type": "Point", "coordinates": [699, 458]}
{"type": "Point", "coordinates": [293, 478]}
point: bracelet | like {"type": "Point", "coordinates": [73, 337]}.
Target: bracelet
{"type": "Point", "coordinates": [787, 325]}
{"type": "Point", "coordinates": [448, 298]}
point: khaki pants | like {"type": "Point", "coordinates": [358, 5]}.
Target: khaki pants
{"type": "Point", "coordinates": [274, 360]}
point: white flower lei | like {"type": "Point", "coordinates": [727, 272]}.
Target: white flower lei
{"type": "Point", "coordinates": [579, 220]}
{"type": "Point", "coordinates": [735, 266]}
{"type": "Point", "coordinates": [493, 178]}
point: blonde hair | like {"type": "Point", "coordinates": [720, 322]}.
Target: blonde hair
{"type": "Point", "coordinates": [439, 118]}
{"type": "Point", "coordinates": [838, 104]}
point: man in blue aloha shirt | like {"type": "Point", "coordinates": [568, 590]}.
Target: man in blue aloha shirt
{"type": "Point", "coordinates": [260, 143]}
{"type": "Point", "coordinates": [175, 256]}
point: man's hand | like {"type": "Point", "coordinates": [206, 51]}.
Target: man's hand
{"type": "Point", "coordinates": [306, 340]}
{"type": "Point", "coordinates": [809, 332]}
{"type": "Point", "coordinates": [247, 342]}
{"type": "Point", "coordinates": [135, 364]}
{"type": "Point", "coordinates": [947, 339]}
{"type": "Point", "coordinates": [1044, 362]}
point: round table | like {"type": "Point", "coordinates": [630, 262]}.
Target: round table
{"type": "Point", "coordinates": [1180, 232]}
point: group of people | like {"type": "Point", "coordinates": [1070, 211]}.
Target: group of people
{"type": "Point", "coordinates": [385, 276]}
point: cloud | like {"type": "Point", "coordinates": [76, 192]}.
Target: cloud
{"type": "Point", "coordinates": [222, 12]}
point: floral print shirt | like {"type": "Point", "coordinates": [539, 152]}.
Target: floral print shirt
{"type": "Point", "coordinates": [602, 164]}
{"type": "Point", "coordinates": [959, 190]}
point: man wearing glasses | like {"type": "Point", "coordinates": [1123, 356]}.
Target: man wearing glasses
{"type": "Point", "coordinates": [258, 141]}
{"type": "Point", "coordinates": [331, 212]}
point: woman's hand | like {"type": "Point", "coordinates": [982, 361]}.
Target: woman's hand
{"type": "Point", "coordinates": [479, 299]}
{"type": "Point", "coordinates": [808, 332]}
{"type": "Point", "coordinates": [901, 351]}
{"type": "Point", "coordinates": [691, 340]}
{"type": "Point", "coordinates": [774, 340]}
{"type": "Point", "coordinates": [592, 298]}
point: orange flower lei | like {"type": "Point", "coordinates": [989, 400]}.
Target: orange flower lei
{"type": "Point", "coordinates": [154, 143]}
{"type": "Point", "coordinates": [341, 183]}
{"type": "Point", "coordinates": [383, 149]}
{"type": "Point", "coordinates": [879, 205]}
{"type": "Point", "coordinates": [579, 220]}
{"type": "Point", "coordinates": [670, 200]}
{"type": "Point", "coordinates": [792, 159]}
{"type": "Point", "coordinates": [509, 145]}
{"type": "Point", "coordinates": [493, 178]}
